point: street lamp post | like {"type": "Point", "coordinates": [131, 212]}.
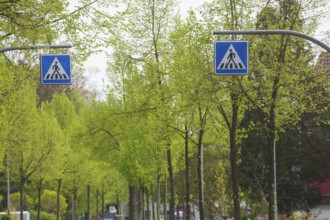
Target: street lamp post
{"type": "Point", "coordinates": [30, 47]}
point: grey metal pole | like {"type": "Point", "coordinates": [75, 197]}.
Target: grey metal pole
{"type": "Point", "coordinates": [275, 182]}
{"type": "Point", "coordinates": [32, 47]}
{"type": "Point", "coordinates": [272, 32]}
{"type": "Point", "coordinates": [8, 184]}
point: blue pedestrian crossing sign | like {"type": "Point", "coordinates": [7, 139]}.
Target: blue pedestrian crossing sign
{"type": "Point", "coordinates": [231, 57]}
{"type": "Point", "coordinates": [55, 69]}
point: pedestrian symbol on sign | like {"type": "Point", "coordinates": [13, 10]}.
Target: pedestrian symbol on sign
{"type": "Point", "coordinates": [56, 71]}
{"type": "Point", "coordinates": [230, 57]}
{"type": "Point", "coordinates": [231, 60]}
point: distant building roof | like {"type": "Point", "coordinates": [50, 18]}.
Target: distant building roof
{"type": "Point", "coordinates": [323, 65]}
{"type": "Point", "coordinates": [324, 61]}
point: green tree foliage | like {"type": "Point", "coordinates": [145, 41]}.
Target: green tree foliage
{"type": "Point", "coordinates": [15, 201]}
{"type": "Point", "coordinates": [20, 140]}
{"type": "Point", "coordinates": [300, 163]}
{"type": "Point", "coordinates": [43, 215]}
{"type": "Point", "coordinates": [190, 78]}
{"type": "Point", "coordinates": [73, 166]}
{"type": "Point", "coordinates": [48, 204]}
{"type": "Point", "coordinates": [229, 100]}
{"type": "Point", "coordinates": [138, 62]}
{"type": "Point", "coordinates": [29, 20]}
{"type": "Point", "coordinates": [280, 89]}
{"type": "Point", "coordinates": [142, 49]}
{"type": "Point", "coordinates": [166, 115]}
{"type": "Point", "coordinates": [51, 137]}
{"type": "Point", "coordinates": [39, 147]}
{"type": "Point", "coordinates": [218, 190]}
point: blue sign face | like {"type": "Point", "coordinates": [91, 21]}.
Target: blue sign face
{"type": "Point", "coordinates": [55, 69]}
{"type": "Point", "coordinates": [231, 57]}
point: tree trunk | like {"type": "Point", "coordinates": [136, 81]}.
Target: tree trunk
{"type": "Point", "coordinates": [232, 127]}
{"type": "Point", "coordinates": [137, 203]}
{"type": "Point", "coordinates": [142, 203]}
{"type": "Point", "coordinates": [233, 155]}
{"type": "Point", "coordinates": [118, 205]}
{"type": "Point", "coordinates": [153, 209]}
{"type": "Point", "coordinates": [59, 185]}
{"type": "Point", "coordinates": [200, 172]}
{"type": "Point", "coordinates": [131, 202]}
{"type": "Point", "coordinates": [8, 184]}
{"type": "Point", "coordinates": [200, 175]}
{"type": "Point", "coordinates": [186, 140]}
{"type": "Point", "coordinates": [88, 202]}
{"type": "Point", "coordinates": [271, 140]}
{"type": "Point", "coordinates": [148, 205]}
{"type": "Point", "coordinates": [21, 201]}
{"type": "Point", "coordinates": [39, 187]}
{"type": "Point", "coordinates": [172, 183]}
{"type": "Point", "coordinates": [103, 204]}
{"type": "Point", "coordinates": [74, 196]}
{"type": "Point", "coordinates": [97, 203]}
{"type": "Point", "coordinates": [165, 200]}
{"type": "Point", "coordinates": [158, 198]}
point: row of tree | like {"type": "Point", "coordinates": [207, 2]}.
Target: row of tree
{"type": "Point", "coordinates": [166, 115]}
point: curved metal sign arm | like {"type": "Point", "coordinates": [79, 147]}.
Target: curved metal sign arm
{"type": "Point", "coordinates": [268, 32]}
{"type": "Point", "coordinates": [2, 50]}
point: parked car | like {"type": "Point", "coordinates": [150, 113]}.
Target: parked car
{"type": "Point", "coordinates": [109, 216]}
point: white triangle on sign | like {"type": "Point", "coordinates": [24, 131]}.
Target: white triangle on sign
{"type": "Point", "coordinates": [56, 71]}
{"type": "Point", "coordinates": [231, 60]}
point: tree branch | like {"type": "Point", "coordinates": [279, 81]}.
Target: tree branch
{"type": "Point", "coordinates": [58, 19]}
